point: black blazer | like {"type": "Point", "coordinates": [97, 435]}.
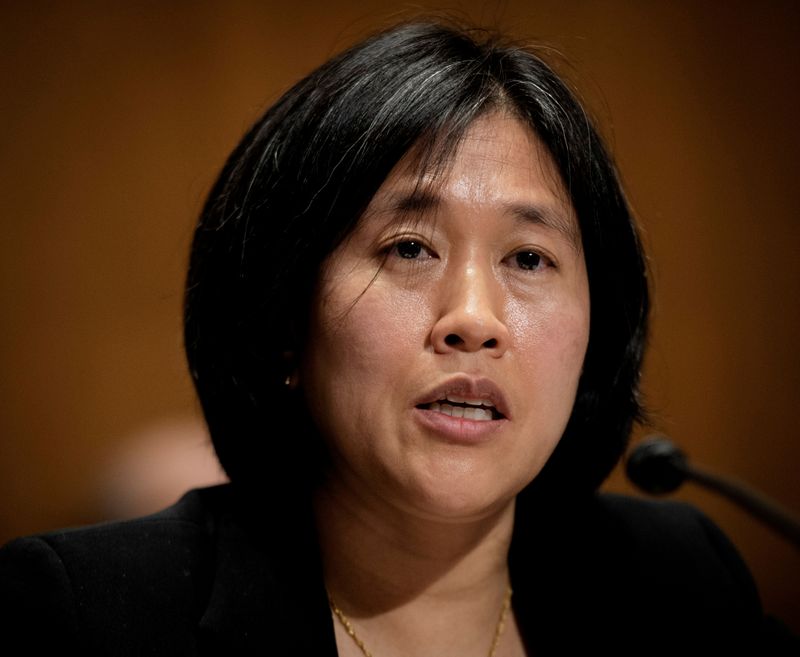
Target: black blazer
{"type": "Point", "coordinates": [219, 573]}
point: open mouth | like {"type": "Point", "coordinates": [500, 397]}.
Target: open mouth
{"type": "Point", "coordinates": [479, 410]}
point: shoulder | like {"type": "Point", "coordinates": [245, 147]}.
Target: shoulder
{"type": "Point", "coordinates": [632, 569]}
{"type": "Point", "coordinates": [675, 542]}
{"type": "Point", "coordinates": [113, 552]}
{"type": "Point", "coordinates": [663, 526]}
{"type": "Point", "coordinates": [676, 549]}
{"type": "Point", "coordinates": [120, 578]}
{"type": "Point", "coordinates": [677, 552]}
{"type": "Point", "coordinates": [223, 571]}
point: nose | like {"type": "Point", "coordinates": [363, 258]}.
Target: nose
{"type": "Point", "coordinates": [471, 314]}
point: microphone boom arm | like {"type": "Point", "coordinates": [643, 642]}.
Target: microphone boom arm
{"type": "Point", "coordinates": [657, 466]}
{"type": "Point", "coordinates": [750, 499]}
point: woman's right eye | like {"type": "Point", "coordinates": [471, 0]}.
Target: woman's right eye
{"type": "Point", "coordinates": [409, 249]}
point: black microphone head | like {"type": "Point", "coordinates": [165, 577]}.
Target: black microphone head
{"type": "Point", "coordinates": [656, 465]}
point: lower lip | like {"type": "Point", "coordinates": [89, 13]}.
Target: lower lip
{"type": "Point", "coordinates": [457, 429]}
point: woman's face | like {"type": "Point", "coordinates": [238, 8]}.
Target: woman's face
{"type": "Point", "coordinates": [449, 330]}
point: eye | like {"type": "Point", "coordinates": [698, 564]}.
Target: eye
{"type": "Point", "coordinates": [410, 249]}
{"type": "Point", "coordinates": [406, 252]}
{"type": "Point", "coordinates": [530, 260]}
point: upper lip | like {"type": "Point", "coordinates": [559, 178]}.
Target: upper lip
{"type": "Point", "coordinates": [470, 388]}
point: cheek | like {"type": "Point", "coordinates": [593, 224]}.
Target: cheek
{"type": "Point", "coordinates": [365, 345]}
{"type": "Point", "coordinates": [364, 340]}
{"type": "Point", "coordinates": [373, 329]}
{"type": "Point", "coordinates": [551, 334]}
{"type": "Point", "coordinates": [551, 340]}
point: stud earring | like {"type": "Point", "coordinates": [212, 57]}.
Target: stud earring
{"type": "Point", "coordinates": [290, 380]}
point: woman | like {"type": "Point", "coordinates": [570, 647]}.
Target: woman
{"type": "Point", "coordinates": [415, 315]}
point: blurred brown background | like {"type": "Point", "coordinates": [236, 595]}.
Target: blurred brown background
{"type": "Point", "coordinates": [117, 116]}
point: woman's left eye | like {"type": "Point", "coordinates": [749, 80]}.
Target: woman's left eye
{"type": "Point", "coordinates": [530, 260]}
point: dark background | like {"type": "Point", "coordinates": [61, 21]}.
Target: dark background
{"type": "Point", "coordinates": [116, 117]}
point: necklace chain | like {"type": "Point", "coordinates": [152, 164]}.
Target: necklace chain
{"type": "Point", "coordinates": [351, 631]}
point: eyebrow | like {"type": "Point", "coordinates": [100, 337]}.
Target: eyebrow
{"type": "Point", "coordinates": [545, 216]}
{"type": "Point", "coordinates": [397, 206]}
{"type": "Point", "coordinates": [416, 201]}
{"type": "Point", "coordinates": [421, 201]}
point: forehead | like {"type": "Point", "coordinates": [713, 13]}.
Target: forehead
{"type": "Point", "coordinates": [498, 163]}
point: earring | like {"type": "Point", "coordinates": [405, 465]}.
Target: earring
{"type": "Point", "coordinates": [291, 378]}
{"type": "Point", "coordinates": [291, 381]}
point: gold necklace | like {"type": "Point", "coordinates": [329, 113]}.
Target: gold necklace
{"type": "Point", "coordinates": [348, 626]}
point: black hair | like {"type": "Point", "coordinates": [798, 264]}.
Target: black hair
{"type": "Point", "coordinates": [298, 183]}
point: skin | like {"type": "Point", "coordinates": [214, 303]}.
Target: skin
{"type": "Point", "coordinates": [478, 276]}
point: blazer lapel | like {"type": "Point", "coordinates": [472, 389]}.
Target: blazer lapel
{"type": "Point", "coordinates": [267, 593]}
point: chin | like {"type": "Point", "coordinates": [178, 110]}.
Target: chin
{"type": "Point", "coordinates": [461, 501]}
{"type": "Point", "coordinates": [459, 489]}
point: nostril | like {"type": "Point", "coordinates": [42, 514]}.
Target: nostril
{"type": "Point", "coordinates": [490, 344]}
{"type": "Point", "coordinates": [452, 340]}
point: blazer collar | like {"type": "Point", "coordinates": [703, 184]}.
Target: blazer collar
{"type": "Point", "coordinates": [267, 593]}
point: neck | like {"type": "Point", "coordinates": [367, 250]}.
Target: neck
{"type": "Point", "coordinates": [410, 584]}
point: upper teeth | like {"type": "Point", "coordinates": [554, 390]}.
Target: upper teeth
{"type": "Point", "coordinates": [471, 402]}
{"type": "Point", "coordinates": [468, 413]}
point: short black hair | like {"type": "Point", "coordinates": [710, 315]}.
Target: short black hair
{"type": "Point", "coordinates": [298, 183]}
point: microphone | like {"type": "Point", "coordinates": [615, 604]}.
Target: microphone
{"type": "Point", "coordinates": [657, 466]}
